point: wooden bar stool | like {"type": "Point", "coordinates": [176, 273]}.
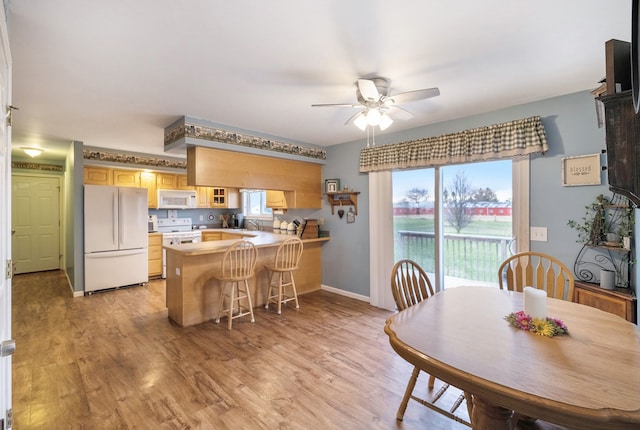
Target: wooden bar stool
{"type": "Point", "coordinates": [238, 265]}
{"type": "Point", "coordinates": [281, 273]}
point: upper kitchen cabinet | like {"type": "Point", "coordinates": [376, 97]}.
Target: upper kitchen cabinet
{"type": "Point", "coordinates": [96, 175]}
{"type": "Point", "coordinates": [276, 200]}
{"type": "Point", "coordinates": [172, 181]}
{"type": "Point", "coordinates": [126, 178]}
{"type": "Point", "coordinates": [227, 198]}
{"type": "Point", "coordinates": [182, 183]}
{"type": "Point", "coordinates": [299, 180]}
{"type": "Point", "coordinates": [148, 181]}
{"type": "Point", "coordinates": [167, 181]}
{"type": "Point", "coordinates": [202, 196]}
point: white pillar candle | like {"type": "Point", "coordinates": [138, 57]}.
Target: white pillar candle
{"type": "Point", "coordinates": [535, 302]}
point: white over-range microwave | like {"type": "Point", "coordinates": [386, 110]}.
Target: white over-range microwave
{"type": "Point", "coordinates": [177, 199]}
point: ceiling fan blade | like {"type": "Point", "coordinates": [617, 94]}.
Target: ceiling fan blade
{"type": "Point", "coordinates": [399, 113]}
{"type": "Point", "coordinates": [411, 96]}
{"type": "Point", "coordinates": [353, 117]}
{"type": "Point", "coordinates": [335, 105]}
{"type": "Point", "coordinates": [368, 89]}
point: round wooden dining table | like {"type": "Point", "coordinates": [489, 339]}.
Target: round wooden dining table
{"type": "Point", "coordinates": [588, 379]}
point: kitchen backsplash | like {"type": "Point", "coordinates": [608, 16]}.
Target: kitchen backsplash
{"type": "Point", "coordinates": [210, 218]}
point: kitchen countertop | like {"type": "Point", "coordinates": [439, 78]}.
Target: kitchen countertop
{"type": "Point", "coordinates": [260, 239]}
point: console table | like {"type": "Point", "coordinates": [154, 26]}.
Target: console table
{"type": "Point", "coordinates": [618, 301]}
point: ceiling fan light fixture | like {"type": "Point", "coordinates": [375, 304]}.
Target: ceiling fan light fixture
{"type": "Point", "coordinates": [374, 117]}
{"type": "Point", "coordinates": [361, 121]}
{"type": "Point", "coordinates": [385, 121]}
{"type": "Point", "coordinates": [32, 152]}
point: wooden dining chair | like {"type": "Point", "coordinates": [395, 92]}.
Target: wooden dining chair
{"type": "Point", "coordinates": [541, 271]}
{"type": "Point", "coordinates": [410, 285]}
{"type": "Point", "coordinates": [538, 270]}
{"type": "Point", "coordinates": [237, 267]}
{"type": "Point", "coordinates": [281, 273]}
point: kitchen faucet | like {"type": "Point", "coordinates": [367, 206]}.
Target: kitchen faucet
{"type": "Point", "coordinates": [253, 224]}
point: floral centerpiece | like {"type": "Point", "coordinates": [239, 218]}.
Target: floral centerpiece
{"type": "Point", "coordinates": [544, 327]}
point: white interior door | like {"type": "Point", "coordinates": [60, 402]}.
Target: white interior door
{"type": "Point", "coordinates": [35, 219]}
{"type": "Point", "coordinates": [5, 223]}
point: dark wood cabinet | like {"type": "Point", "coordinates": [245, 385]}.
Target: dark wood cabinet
{"type": "Point", "coordinates": [618, 302]}
{"type": "Point", "coordinates": [623, 145]}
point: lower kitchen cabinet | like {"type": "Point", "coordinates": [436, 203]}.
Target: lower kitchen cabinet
{"type": "Point", "coordinates": [155, 255]}
{"type": "Point", "coordinates": [208, 236]}
{"type": "Point", "coordinates": [618, 302]}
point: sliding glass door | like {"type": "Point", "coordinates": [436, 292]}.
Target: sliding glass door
{"type": "Point", "coordinates": [473, 205]}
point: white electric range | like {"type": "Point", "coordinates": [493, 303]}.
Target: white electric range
{"type": "Point", "coordinates": [175, 231]}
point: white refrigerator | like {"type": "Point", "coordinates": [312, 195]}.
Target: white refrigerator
{"type": "Point", "coordinates": [115, 237]}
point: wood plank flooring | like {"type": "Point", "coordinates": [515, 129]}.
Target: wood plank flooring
{"type": "Point", "coordinates": [113, 360]}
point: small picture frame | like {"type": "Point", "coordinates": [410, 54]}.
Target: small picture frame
{"type": "Point", "coordinates": [581, 170]}
{"type": "Point", "coordinates": [331, 185]}
{"type": "Point", "coordinates": [351, 216]}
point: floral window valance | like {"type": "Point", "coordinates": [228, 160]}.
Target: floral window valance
{"type": "Point", "coordinates": [506, 140]}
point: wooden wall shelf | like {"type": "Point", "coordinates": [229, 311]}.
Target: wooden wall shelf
{"type": "Point", "coordinates": [344, 198]}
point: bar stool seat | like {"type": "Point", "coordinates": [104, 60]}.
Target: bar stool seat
{"type": "Point", "coordinates": [281, 273]}
{"type": "Point", "coordinates": [238, 265]}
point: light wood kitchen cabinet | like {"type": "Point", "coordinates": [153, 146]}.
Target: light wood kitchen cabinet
{"type": "Point", "coordinates": [148, 181]}
{"type": "Point", "coordinates": [618, 302]}
{"type": "Point", "coordinates": [166, 181]}
{"type": "Point", "coordinates": [221, 235]}
{"type": "Point", "coordinates": [301, 181]}
{"type": "Point", "coordinates": [208, 236]}
{"type": "Point", "coordinates": [155, 255]}
{"type": "Point", "coordinates": [126, 178]}
{"type": "Point", "coordinates": [276, 200]}
{"type": "Point", "coordinates": [202, 197]}
{"type": "Point", "coordinates": [96, 175]}
{"type": "Point", "coordinates": [228, 198]}
{"type": "Point", "coordinates": [182, 183]}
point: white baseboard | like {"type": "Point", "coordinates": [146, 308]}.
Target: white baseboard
{"type": "Point", "coordinates": [345, 293]}
{"type": "Point", "coordinates": [74, 292]}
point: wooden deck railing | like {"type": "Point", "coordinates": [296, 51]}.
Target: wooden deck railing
{"type": "Point", "coordinates": [465, 256]}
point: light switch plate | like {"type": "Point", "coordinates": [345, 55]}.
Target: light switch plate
{"type": "Point", "coordinates": [538, 234]}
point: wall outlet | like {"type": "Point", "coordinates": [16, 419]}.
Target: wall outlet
{"type": "Point", "coordinates": [201, 217]}
{"type": "Point", "coordinates": [320, 221]}
{"type": "Point", "coordinates": [538, 234]}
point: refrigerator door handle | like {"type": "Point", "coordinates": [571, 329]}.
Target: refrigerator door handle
{"type": "Point", "coordinates": [114, 209]}
{"type": "Point", "coordinates": [111, 254]}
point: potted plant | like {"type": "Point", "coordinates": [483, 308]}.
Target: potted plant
{"type": "Point", "coordinates": [626, 227]}
{"type": "Point", "coordinates": [592, 228]}
{"type": "Point", "coordinates": [604, 223]}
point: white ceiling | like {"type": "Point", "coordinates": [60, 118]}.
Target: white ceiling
{"type": "Point", "coordinates": [114, 74]}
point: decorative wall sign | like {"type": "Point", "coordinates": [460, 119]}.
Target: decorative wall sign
{"type": "Point", "coordinates": [331, 185]}
{"type": "Point", "coordinates": [581, 170]}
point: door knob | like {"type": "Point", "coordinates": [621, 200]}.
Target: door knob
{"type": "Point", "coordinates": [7, 347]}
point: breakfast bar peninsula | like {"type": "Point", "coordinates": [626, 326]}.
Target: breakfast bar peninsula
{"type": "Point", "coordinates": [193, 293]}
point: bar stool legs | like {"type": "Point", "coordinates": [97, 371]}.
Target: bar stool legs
{"type": "Point", "coordinates": [238, 265]}
{"type": "Point", "coordinates": [233, 294]}
{"type": "Point", "coordinates": [284, 264]}
{"type": "Point", "coordinates": [278, 283]}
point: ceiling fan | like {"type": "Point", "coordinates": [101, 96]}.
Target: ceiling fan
{"type": "Point", "coordinates": [377, 106]}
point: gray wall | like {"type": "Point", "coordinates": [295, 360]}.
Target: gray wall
{"type": "Point", "coordinates": [74, 217]}
{"type": "Point", "coordinates": [571, 126]}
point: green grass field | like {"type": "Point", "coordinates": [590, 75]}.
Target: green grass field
{"type": "Point", "coordinates": [476, 227]}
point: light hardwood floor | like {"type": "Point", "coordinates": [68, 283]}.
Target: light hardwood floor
{"type": "Point", "coordinates": [113, 360]}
